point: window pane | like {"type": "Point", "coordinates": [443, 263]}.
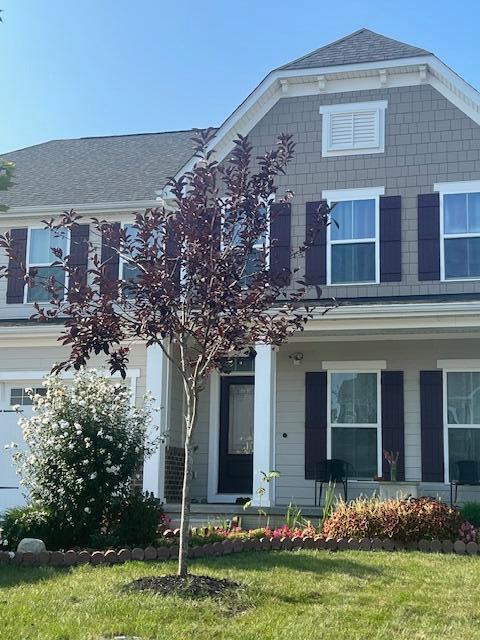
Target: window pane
{"type": "Point", "coordinates": [353, 398]}
{"type": "Point", "coordinates": [41, 243]}
{"type": "Point", "coordinates": [463, 445]}
{"type": "Point", "coordinates": [474, 212]}
{"type": "Point", "coordinates": [463, 397]}
{"type": "Point", "coordinates": [38, 293]}
{"type": "Point", "coordinates": [358, 447]}
{"type": "Point", "coordinates": [342, 216]}
{"type": "Point", "coordinates": [363, 219]}
{"type": "Point", "coordinates": [462, 258]}
{"type": "Point", "coordinates": [240, 428]}
{"type": "Point", "coordinates": [455, 212]}
{"type": "Point", "coordinates": [353, 262]}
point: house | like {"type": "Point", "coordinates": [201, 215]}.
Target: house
{"type": "Point", "coordinates": [392, 135]}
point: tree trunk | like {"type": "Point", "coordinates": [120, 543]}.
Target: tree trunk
{"type": "Point", "coordinates": [186, 498]}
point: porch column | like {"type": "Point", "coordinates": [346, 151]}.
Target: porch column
{"type": "Point", "coordinates": [158, 383]}
{"type": "Point", "coordinates": [264, 422]}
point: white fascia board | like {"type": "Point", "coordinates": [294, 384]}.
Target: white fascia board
{"type": "Point", "coordinates": [441, 77]}
{"type": "Point", "coordinates": [93, 208]}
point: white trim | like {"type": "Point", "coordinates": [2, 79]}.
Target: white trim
{"type": "Point", "coordinates": [459, 365]}
{"type": "Point", "coordinates": [327, 111]}
{"type": "Point", "coordinates": [342, 195]}
{"type": "Point", "coordinates": [214, 439]}
{"type": "Point", "coordinates": [39, 265]}
{"type": "Point", "coordinates": [446, 426]}
{"type": "Point", "coordinates": [450, 188]}
{"type": "Point", "coordinates": [354, 365]}
{"type": "Point", "coordinates": [377, 425]}
{"type": "Point", "coordinates": [26, 211]}
{"type": "Point", "coordinates": [68, 375]}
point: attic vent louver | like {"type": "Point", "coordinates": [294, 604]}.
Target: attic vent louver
{"type": "Point", "coordinates": [350, 129]}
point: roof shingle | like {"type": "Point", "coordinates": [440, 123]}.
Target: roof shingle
{"type": "Point", "coordinates": [106, 169]}
{"type": "Point", "coordinates": [361, 46]}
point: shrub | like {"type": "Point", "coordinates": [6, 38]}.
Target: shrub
{"type": "Point", "coordinates": [84, 443]}
{"type": "Point", "coordinates": [409, 519]}
{"type": "Point", "coordinates": [33, 521]}
{"type": "Point", "coordinates": [471, 512]}
{"type": "Point", "coordinates": [136, 520]}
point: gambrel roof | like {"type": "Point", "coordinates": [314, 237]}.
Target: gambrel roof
{"type": "Point", "coordinates": [361, 46]}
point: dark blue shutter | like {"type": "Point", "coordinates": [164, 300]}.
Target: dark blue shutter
{"type": "Point", "coordinates": [16, 282]}
{"type": "Point", "coordinates": [316, 251]}
{"type": "Point", "coordinates": [110, 259]}
{"type": "Point", "coordinates": [280, 238]}
{"type": "Point", "coordinates": [431, 419]}
{"type": "Point", "coordinates": [390, 239]}
{"type": "Point", "coordinates": [429, 236]}
{"type": "Point", "coordinates": [315, 421]}
{"type": "Point", "coordinates": [79, 236]}
{"type": "Point", "coordinates": [393, 430]}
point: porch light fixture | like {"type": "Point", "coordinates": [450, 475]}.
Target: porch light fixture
{"type": "Point", "coordinates": [296, 358]}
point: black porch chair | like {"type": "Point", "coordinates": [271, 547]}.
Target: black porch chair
{"type": "Point", "coordinates": [330, 471]}
{"type": "Point", "coordinates": [465, 473]}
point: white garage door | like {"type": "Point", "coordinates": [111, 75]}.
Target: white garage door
{"type": "Point", "coordinates": [10, 431]}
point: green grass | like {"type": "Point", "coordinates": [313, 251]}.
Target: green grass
{"type": "Point", "coordinates": [307, 594]}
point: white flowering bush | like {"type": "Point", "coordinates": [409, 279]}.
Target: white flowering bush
{"type": "Point", "coordinates": [84, 443]}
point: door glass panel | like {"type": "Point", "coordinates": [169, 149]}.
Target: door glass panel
{"type": "Point", "coordinates": [240, 426]}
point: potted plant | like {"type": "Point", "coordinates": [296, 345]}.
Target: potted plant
{"type": "Point", "coordinates": [392, 459]}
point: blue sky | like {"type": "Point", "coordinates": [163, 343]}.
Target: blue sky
{"type": "Point", "coordinates": [73, 68]}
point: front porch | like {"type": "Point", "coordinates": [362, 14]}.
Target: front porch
{"type": "Point", "coordinates": [346, 346]}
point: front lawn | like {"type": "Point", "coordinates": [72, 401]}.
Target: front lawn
{"type": "Point", "coordinates": [306, 594]}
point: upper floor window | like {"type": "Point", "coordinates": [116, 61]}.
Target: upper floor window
{"type": "Point", "coordinates": [40, 258]}
{"type": "Point", "coordinates": [353, 247]}
{"type": "Point", "coordinates": [459, 230]}
{"type": "Point", "coordinates": [352, 129]}
{"type": "Point", "coordinates": [129, 271]}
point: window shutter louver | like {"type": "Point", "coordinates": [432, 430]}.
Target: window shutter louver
{"type": "Point", "coordinates": [280, 238]}
{"type": "Point", "coordinates": [16, 282]}
{"type": "Point", "coordinates": [393, 430]}
{"type": "Point", "coordinates": [315, 421]}
{"type": "Point", "coordinates": [431, 418]}
{"type": "Point", "coordinates": [316, 250]}
{"type": "Point", "coordinates": [110, 260]}
{"type": "Point", "coordinates": [390, 239]}
{"type": "Point", "coordinates": [357, 130]}
{"type": "Point", "coordinates": [79, 236]}
{"type": "Point", "coordinates": [428, 236]}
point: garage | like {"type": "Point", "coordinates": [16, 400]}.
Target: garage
{"type": "Point", "coordinates": [10, 431]}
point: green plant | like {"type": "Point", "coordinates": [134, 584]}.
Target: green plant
{"type": "Point", "coordinates": [33, 521]}
{"type": "Point", "coordinates": [471, 513]}
{"type": "Point", "coordinates": [136, 519]}
{"type": "Point", "coordinates": [327, 504]}
{"type": "Point", "coordinates": [410, 519]}
{"type": "Point", "coordinates": [84, 443]}
{"type": "Point", "coordinates": [293, 516]}
{"type": "Point", "coordinates": [265, 479]}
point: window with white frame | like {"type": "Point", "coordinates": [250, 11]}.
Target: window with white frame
{"type": "Point", "coordinates": [353, 247]}
{"type": "Point", "coordinates": [40, 259]}
{"type": "Point", "coordinates": [254, 260]}
{"type": "Point", "coordinates": [352, 129]}
{"type": "Point", "coordinates": [462, 411]}
{"type": "Point", "coordinates": [354, 433]}
{"type": "Point", "coordinates": [460, 230]}
{"type": "Point", "coordinates": [129, 271]}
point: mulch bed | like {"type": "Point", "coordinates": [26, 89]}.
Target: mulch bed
{"type": "Point", "coordinates": [191, 586]}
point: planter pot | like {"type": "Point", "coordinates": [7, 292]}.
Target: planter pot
{"type": "Point", "coordinates": [388, 490]}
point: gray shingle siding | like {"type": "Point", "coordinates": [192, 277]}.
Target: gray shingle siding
{"type": "Point", "coordinates": [428, 140]}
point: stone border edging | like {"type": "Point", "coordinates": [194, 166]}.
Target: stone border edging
{"type": "Point", "coordinates": [226, 547]}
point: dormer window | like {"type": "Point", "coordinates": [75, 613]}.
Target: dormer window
{"type": "Point", "coordinates": [352, 129]}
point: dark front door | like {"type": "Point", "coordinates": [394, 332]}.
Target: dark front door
{"type": "Point", "coordinates": [236, 435]}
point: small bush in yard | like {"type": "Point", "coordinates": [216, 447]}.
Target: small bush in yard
{"type": "Point", "coordinates": [408, 520]}
{"type": "Point", "coordinates": [471, 512]}
{"type": "Point", "coordinates": [84, 443]}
